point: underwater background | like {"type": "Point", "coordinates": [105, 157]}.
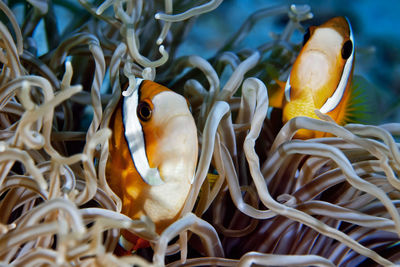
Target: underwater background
{"type": "Point", "coordinates": [375, 24]}
{"type": "Point", "coordinates": [259, 195]}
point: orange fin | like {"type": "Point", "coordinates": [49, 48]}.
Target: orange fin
{"type": "Point", "coordinates": [141, 243]}
{"type": "Point", "coordinates": [277, 94]}
{"type": "Point", "coordinates": [120, 251]}
{"type": "Point", "coordinates": [129, 243]}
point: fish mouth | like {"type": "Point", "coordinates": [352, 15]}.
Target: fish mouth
{"type": "Point", "coordinates": [314, 69]}
{"type": "Point", "coordinates": [315, 51]}
{"type": "Point", "coordinates": [315, 57]}
{"type": "Point", "coordinates": [177, 115]}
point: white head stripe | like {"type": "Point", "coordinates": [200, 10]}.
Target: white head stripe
{"type": "Point", "coordinates": [337, 96]}
{"type": "Point", "coordinates": [135, 138]}
{"type": "Point", "coordinates": [287, 89]}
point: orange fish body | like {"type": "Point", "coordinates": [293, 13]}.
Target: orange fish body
{"type": "Point", "coordinates": [153, 154]}
{"type": "Point", "coordinates": [321, 76]}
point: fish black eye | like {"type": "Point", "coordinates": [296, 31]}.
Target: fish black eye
{"type": "Point", "coordinates": [144, 111]}
{"type": "Point", "coordinates": [306, 36]}
{"type": "Point", "coordinates": [347, 49]}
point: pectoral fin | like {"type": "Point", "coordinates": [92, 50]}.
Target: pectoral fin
{"type": "Point", "coordinates": [277, 94]}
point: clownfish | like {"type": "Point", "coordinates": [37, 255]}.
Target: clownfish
{"type": "Point", "coordinates": [152, 156]}
{"type": "Point", "coordinates": [321, 76]}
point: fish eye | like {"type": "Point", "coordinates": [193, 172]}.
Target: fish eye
{"type": "Point", "coordinates": [306, 36]}
{"type": "Point", "coordinates": [144, 111]}
{"type": "Point", "coordinates": [347, 49]}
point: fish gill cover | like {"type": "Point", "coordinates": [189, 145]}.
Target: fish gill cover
{"type": "Point", "coordinates": [258, 197]}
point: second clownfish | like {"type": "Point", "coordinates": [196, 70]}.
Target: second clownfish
{"type": "Point", "coordinates": [321, 76]}
{"type": "Point", "coordinates": [153, 155]}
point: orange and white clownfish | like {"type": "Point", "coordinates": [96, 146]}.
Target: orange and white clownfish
{"type": "Point", "coordinates": [152, 156]}
{"type": "Point", "coordinates": [321, 76]}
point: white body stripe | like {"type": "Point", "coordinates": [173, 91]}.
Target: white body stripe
{"type": "Point", "coordinates": [287, 89]}
{"type": "Point", "coordinates": [332, 102]}
{"type": "Point", "coordinates": [135, 138]}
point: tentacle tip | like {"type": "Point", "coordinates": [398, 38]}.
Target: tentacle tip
{"type": "Point", "coordinates": [12, 226]}
{"type": "Point", "coordinates": [43, 185]}
{"type": "Point", "coordinates": [68, 64]}
{"type": "Point", "coordinates": [107, 132]}
{"type": "Point", "coordinates": [4, 228]}
{"type": "Point", "coordinates": [60, 260]}
{"type": "Point", "coordinates": [84, 158]}
{"type": "Point", "coordinates": [157, 16]}
{"type": "Point", "coordinates": [149, 74]}
{"type": "Point", "coordinates": [3, 146]}
{"type": "Point", "coordinates": [92, 146]}
{"type": "Point", "coordinates": [25, 84]}
{"type": "Point", "coordinates": [81, 231]}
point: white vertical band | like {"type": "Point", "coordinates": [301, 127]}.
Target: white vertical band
{"type": "Point", "coordinates": [135, 138]}
{"type": "Point", "coordinates": [287, 89]}
{"type": "Point", "coordinates": [337, 96]}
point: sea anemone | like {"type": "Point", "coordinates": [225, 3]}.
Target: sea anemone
{"type": "Point", "coordinates": [259, 196]}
